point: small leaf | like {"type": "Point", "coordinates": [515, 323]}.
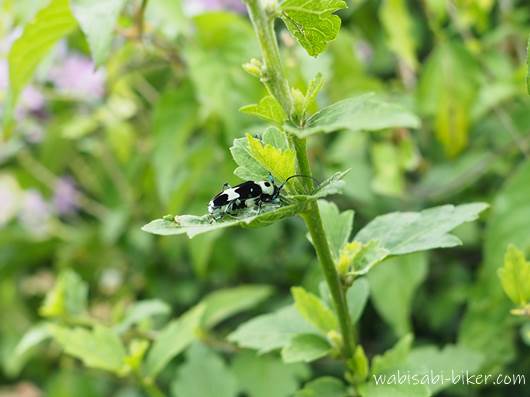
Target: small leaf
{"type": "Point", "coordinates": [338, 226]}
{"type": "Point", "coordinates": [515, 276]}
{"type": "Point", "coordinates": [305, 348]}
{"type": "Point", "coordinates": [268, 109]}
{"type": "Point", "coordinates": [68, 298]}
{"type": "Point", "coordinates": [312, 91]}
{"type": "Point", "coordinates": [312, 22]}
{"type": "Point", "coordinates": [97, 20]}
{"type": "Point", "coordinates": [366, 112]}
{"type": "Point", "coordinates": [172, 340]}
{"type": "Point", "coordinates": [394, 357]}
{"type": "Point", "coordinates": [271, 331]}
{"type": "Point", "coordinates": [267, 376]}
{"type": "Point", "coordinates": [223, 304]}
{"type": "Point", "coordinates": [357, 296]}
{"type": "Point", "coordinates": [140, 311]}
{"type": "Point", "coordinates": [314, 310]}
{"type": "Point", "coordinates": [98, 348]}
{"type": "Point", "coordinates": [405, 232]}
{"type": "Point", "coordinates": [27, 345]}
{"type": "Point", "coordinates": [280, 163]}
{"type": "Point", "coordinates": [325, 386]}
{"type": "Point", "coordinates": [204, 374]}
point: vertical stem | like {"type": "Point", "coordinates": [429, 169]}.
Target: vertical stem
{"type": "Point", "coordinates": [278, 86]}
{"type": "Point", "coordinates": [275, 80]}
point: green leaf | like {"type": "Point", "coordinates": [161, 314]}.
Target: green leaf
{"type": "Point", "coordinates": [338, 225]}
{"type": "Point", "coordinates": [312, 91]}
{"type": "Point", "coordinates": [312, 23]}
{"type": "Point", "coordinates": [393, 285]}
{"type": "Point", "coordinates": [314, 310]}
{"type": "Point", "coordinates": [195, 225]}
{"type": "Point", "coordinates": [271, 331]}
{"type": "Point", "coordinates": [268, 109]}
{"type": "Point", "coordinates": [68, 298]}
{"type": "Point", "coordinates": [406, 232]}
{"type": "Point", "coordinates": [397, 22]}
{"type": "Point", "coordinates": [173, 339]}
{"type": "Point", "coordinates": [140, 311]}
{"type": "Point", "coordinates": [267, 376]}
{"type": "Point", "coordinates": [389, 178]}
{"type": "Point", "coordinates": [330, 186]}
{"type": "Point", "coordinates": [367, 112]}
{"type": "Point", "coordinates": [97, 20]}
{"type": "Point", "coordinates": [394, 357]}
{"type": "Point", "coordinates": [447, 90]}
{"type": "Point", "coordinates": [393, 389]}
{"type": "Point", "coordinates": [49, 25]}
{"type": "Point", "coordinates": [250, 169]}
{"type": "Point", "coordinates": [305, 348]}
{"type": "Point", "coordinates": [226, 303]}
{"type": "Point", "coordinates": [280, 163]}
{"type": "Point", "coordinates": [456, 359]}
{"type": "Point", "coordinates": [325, 386]}
{"type": "Point", "coordinates": [488, 317]}
{"type": "Point", "coordinates": [204, 374]}
{"type": "Point", "coordinates": [27, 345]}
{"type": "Point", "coordinates": [357, 296]}
{"type": "Point", "coordinates": [515, 276]}
{"type": "Point", "coordinates": [98, 348]}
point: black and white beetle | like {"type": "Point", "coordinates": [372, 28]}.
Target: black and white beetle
{"type": "Point", "coordinates": [249, 194]}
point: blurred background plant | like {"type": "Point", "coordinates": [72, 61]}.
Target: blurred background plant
{"type": "Point", "coordinates": [95, 152]}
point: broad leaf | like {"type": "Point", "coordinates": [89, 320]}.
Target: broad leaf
{"type": "Point", "coordinates": [98, 348]}
{"type": "Point", "coordinates": [312, 22]}
{"type": "Point", "coordinates": [280, 163]}
{"type": "Point", "coordinates": [393, 286]}
{"type": "Point", "coordinates": [27, 346]}
{"type": "Point", "coordinates": [515, 276]}
{"type": "Point", "coordinates": [204, 374]}
{"type": "Point", "coordinates": [392, 358]}
{"type": "Point", "coordinates": [140, 311]}
{"type": "Point", "coordinates": [48, 26]}
{"type": "Point", "coordinates": [223, 304]}
{"type": "Point", "coordinates": [268, 109]}
{"type": "Point", "coordinates": [271, 331]}
{"type": "Point", "coordinates": [325, 386]}
{"type": "Point", "coordinates": [173, 339]}
{"type": "Point", "coordinates": [255, 374]}
{"type": "Point", "coordinates": [97, 20]}
{"type": "Point", "coordinates": [195, 225]}
{"type": "Point", "coordinates": [305, 348]}
{"type": "Point", "coordinates": [405, 232]}
{"type": "Point", "coordinates": [357, 296]}
{"type": "Point", "coordinates": [314, 310]}
{"type": "Point", "coordinates": [366, 112]}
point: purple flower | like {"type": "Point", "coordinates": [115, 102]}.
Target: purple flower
{"type": "Point", "coordinates": [35, 213]}
{"type": "Point", "coordinates": [65, 196]}
{"type": "Point", "coordinates": [194, 7]}
{"type": "Point", "coordinates": [76, 75]}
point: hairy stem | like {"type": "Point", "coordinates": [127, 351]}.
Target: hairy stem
{"type": "Point", "coordinates": [278, 86]}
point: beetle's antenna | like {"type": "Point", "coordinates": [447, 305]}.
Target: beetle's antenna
{"type": "Point", "coordinates": [298, 176]}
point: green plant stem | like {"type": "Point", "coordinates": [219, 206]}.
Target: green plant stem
{"type": "Point", "coordinates": [274, 78]}
{"type": "Point", "coordinates": [278, 86]}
